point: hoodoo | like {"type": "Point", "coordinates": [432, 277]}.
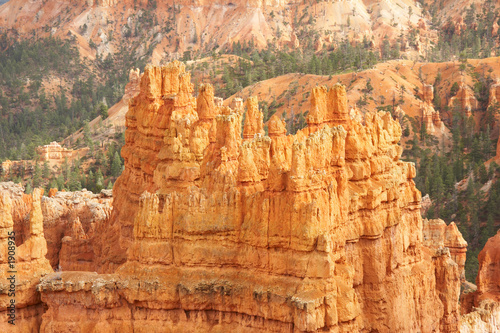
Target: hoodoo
{"type": "Point", "coordinates": [215, 227]}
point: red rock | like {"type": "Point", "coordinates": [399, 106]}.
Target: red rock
{"type": "Point", "coordinates": [487, 281]}
{"type": "Point", "coordinates": [422, 25]}
{"type": "Point", "coordinates": [483, 317]}
{"type": "Point", "coordinates": [54, 152]}
{"type": "Point", "coordinates": [438, 235]}
{"type": "Point", "coordinates": [320, 230]}
{"type": "Point", "coordinates": [430, 116]}
{"type": "Point", "coordinates": [30, 262]}
{"type": "Point", "coordinates": [52, 192]}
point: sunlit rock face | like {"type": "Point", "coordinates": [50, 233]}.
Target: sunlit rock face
{"type": "Point", "coordinates": [483, 305]}
{"type": "Point", "coordinates": [217, 226]}
{"type": "Point", "coordinates": [19, 276]}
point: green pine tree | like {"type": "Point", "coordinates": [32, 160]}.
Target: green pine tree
{"type": "Point", "coordinates": [116, 165]}
{"type": "Point", "coordinates": [99, 181]}
{"type": "Point", "coordinates": [37, 176]}
{"type": "Point", "coordinates": [46, 170]}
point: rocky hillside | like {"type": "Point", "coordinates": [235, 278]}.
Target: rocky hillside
{"type": "Point", "coordinates": [103, 40]}
{"type": "Point", "coordinates": [170, 27]}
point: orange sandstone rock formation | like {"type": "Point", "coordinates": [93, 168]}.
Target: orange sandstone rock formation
{"type": "Point", "coordinates": [494, 96]}
{"type": "Point", "coordinates": [430, 116]}
{"type": "Point", "coordinates": [64, 213]}
{"type": "Point", "coordinates": [488, 282]}
{"type": "Point", "coordinates": [484, 316]}
{"type": "Point", "coordinates": [498, 149]}
{"type": "Point", "coordinates": [28, 266]}
{"type": "Point", "coordinates": [54, 151]}
{"type": "Point", "coordinates": [438, 235]}
{"type": "Point", "coordinates": [40, 225]}
{"type": "Point", "coordinates": [213, 229]}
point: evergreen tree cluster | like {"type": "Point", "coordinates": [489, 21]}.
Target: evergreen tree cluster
{"type": "Point", "coordinates": [439, 173]}
{"type": "Point", "coordinates": [29, 115]}
{"type": "Point", "coordinates": [475, 41]}
{"type": "Point", "coordinates": [255, 65]}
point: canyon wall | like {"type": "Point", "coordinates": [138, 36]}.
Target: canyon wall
{"type": "Point", "coordinates": [70, 222]}
{"type": "Point", "coordinates": [216, 226]}
{"type": "Point", "coordinates": [21, 266]}
{"type": "Point", "coordinates": [48, 233]}
{"type": "Point", "coordinates": [483, 304]}
{"type": "Point", "coordinates": [191, 25]}
{"type": "Point", "coordinates": [439, 235]}
{"type": "Point", "coordinates": [464, 99]}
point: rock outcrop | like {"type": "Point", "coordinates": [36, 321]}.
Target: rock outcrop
{"type": "Point", "coordinates": [220, 228]}
{"type": "Point", "coordinates": [497, 157]}
{"type": "Point", "coordinates": [494, 96]}
{"type": "Point", "coordinates": [464, 99]}
{"type": "Point", "coordinates": [132, 87]}
{"type": "Point", "coordinates": [488, 277]}
{"type": "Point", "coordinates": [70, 222]}
{"type": "Point", "coordinates": [49, 233]}
{"type": "Point", "coordinates": [430, 116]}
{"type": "Point", "coordinates": [438, 235]}
{"type": "Point", "coordinates": [22, 260]}
{"type": "Point", "coordinates": [484, 316]}
{"type": "Point", "coordinates": [54, 151]}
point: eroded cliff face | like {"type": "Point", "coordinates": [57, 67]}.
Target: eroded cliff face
{"type": "Point", "coordinates": [19, 276]}
{"type": "Point", "coordinates": [430, 116]}
{"type": "Point", "coordinates": [464, 99]}
{"type": "Point", "coordinates": [206, 24]}
{"type": "Point", "coordinates": [438, 235]}
{"type": "Point", "coordinates": [70, 223]}
{"type": "Point", "coordinates": [216, 226]}
{"type": "Point", "coordinates": [484, 307]}
{"type": "Point", "coordinates": [50, 233]}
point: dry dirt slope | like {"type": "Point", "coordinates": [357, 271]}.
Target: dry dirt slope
{"type": "Point", "coordinates": [207, 25]}
{"type": "Point", "coordinates": [391, 80]}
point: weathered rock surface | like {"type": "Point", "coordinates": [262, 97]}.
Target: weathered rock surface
{"type": "Point", "coordinates": [484, 316]}
{"type": "Point", "coordinates": [219, 228]}
{"type": "Point", "coordinates": [208, 24]}
{"type": "Point", "coordinates": [40, 225]}
{"type": "Point", "coordinates": [54, 151]}
{"type": "Point", "coordinates": [70, 222]}
{"type": "Point", "coordinates": [488, 277]}
{"type": "Point", "coordinates": [438, 235]}
{"type": "Point", "coordinates": [430, 116]}
{"type": "Point", "coordinates": [464, 99]}
{"type": "Point", "coordinates": [21, 266]}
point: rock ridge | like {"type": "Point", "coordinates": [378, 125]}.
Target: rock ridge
{"type": "Point", "coordinates": [315, 231]}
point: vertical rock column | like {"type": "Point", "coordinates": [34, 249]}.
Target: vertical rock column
{"type": "Point", "coordinates": [30, 264]}
{"type": "Point", "coordinates": [337, 106]}
{"type": "Point", "coordinates": [254, 119]}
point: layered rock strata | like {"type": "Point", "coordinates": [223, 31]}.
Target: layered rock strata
{"type": "Point", "coordinates": [438, 235]}
{"type": "Point", "coordinates": [484, 311]}
{"type": "Point", "coordinates": [70, 223]}
{"type": "Point", "coordinates": [21, 266]}
{"type": "Point", "coordinates": [220, 228]}
{"type": "Point", "coordinates": [54, 151]}
{"type": "Point", "coordinates": [430, 116]}
{"type": "Point", "coordinates": [464, 99]}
